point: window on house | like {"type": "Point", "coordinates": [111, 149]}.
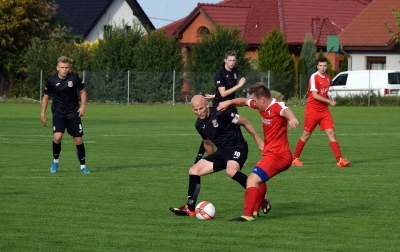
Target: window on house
{"type": "Point", "coordinates": [202, 31]}
{"type": "Point", "coordinates": [376, 63]}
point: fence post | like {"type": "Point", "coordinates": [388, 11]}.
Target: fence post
{"type": "Point", "coordinates": [173, 89]}
{"type": "Point", "coordinates": [128, 86]}
{"type": "Point", "coordinates": [269, 77]}
{"type": "Point", "coordinates": [40, 86]}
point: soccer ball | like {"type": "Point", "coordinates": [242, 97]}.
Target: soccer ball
{"type": "Point", "coordinates": [205, 210]}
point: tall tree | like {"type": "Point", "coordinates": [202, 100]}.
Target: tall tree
{"type": "Point", "coordinates": [209, 53]}
{"type": "Point", "coordinates": [303, 80]}
{"type": "Point", "coordinates": [395, 34]}
{"type": "Point", "coordinates": [156, 57]}
{"type": "Point", "coordinates": [344, 66]}
{"type": "Point", "coordinates": [308, 53]}
{"type": "Point", "coordinates": [274, 56]}
{"type": "Point", "coordinates": [20, 22]}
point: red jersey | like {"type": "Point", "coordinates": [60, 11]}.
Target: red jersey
{"type": "Point", "coordinates": [321, 84]}
{"type": "Point", "coordinates": [274, 126]}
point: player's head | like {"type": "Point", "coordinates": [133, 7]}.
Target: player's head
{"type": "Point", "coordinates": [322, 65]}
{"type": "Point", "coordinates": [200, 106]}
{"type": "Point", "coordinates": [230, 60]}
{"type": "Point", "coordinates": [261, 95]}
{"type": "Point", "coordinates": [63, 67]}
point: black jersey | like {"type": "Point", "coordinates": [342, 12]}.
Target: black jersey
{"type": "Point", "coordinates": [64, 92]}
{"type": "Point", "coordinates": [221, 128]}
{"type": "Point", "coordinates": [224, 78]}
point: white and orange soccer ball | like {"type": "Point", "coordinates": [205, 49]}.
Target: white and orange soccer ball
{"type": "Point", "coordinates": [205, 210]}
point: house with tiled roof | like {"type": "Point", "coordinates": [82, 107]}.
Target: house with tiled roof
{"type": "Point", "coordinates": [88, 18]}
{"type": "Point", "coordinates": [367, 41]}
{"type": "Point", "coordinates": [257, 17]}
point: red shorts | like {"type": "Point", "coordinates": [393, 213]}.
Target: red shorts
{"type": "Point", "coordinates": [314, 118]}
{"type": "Point", "coordinates": [272, 164]}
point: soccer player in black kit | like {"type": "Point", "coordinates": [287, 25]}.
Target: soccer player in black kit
{"type": "Point", "coordinates": [219, 129]}
{"type": "Point", "coordinates": [226, 84]}
{"type": "Point", "coordinates": [67, 113]}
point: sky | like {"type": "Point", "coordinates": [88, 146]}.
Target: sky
{"type": "Point", "coordinates": [163, 12]}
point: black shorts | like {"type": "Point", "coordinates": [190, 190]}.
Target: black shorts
{"type": "Point", "coordinates": [73, 125]}
{"type": "Point", "coordinates": [220, 158]}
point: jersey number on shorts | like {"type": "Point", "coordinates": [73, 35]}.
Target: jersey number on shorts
{"type": "Point", "coordinates": [236, 155]}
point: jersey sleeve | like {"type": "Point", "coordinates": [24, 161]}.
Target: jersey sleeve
{"type": "Point", "coordinates": [229, 117]}
{"type": "Point", "coordinates": [48, 89]}
{"type": "Point", "coordinates": [218, 79]}
{"type": "Point", "coordinates": [251, 104]}
{"type": "Point", "coordinates": [79, 83]}
{"type": "Point", "coordinates": [313, 87]}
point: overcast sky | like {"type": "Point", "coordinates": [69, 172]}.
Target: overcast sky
{"type": "Point", "coordinates": [163, 12]}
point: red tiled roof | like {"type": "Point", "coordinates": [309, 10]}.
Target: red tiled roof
{"type": "Point", "coordinates": [293, 17]}
{"type": "Point", "coordinates": [368, 27]}
{"type": "Point", "coordinates": [318, 17]}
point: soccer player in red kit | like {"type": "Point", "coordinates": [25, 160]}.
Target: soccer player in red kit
{"type": "Point", "coordinates": [317, 113]}
{"type": "Point", "coordinates": [277, 155]}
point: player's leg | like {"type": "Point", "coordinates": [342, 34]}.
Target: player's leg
{"type": "Point", "coordinates": [75, 129]}
{"type": "Point", "coordinates": [265, 169]}
{"type": "Point", "coordinates": [328, 126]}
{"type": "Point", "coordinates": [235, 159]}
{"type": "Point", "coordinates": [58, 132]}
{"type": "Point", "coordinates": [311, 120]}
{"type": "Point", "coordinates": [201, 168]}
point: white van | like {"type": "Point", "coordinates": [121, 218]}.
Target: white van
{"type": "Point", "coordinates": [360, 82]}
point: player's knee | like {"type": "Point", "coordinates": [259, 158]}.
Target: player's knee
{"type": "Point", "coordinates": [231, 171]}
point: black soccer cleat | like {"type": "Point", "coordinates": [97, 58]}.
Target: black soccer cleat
{"type": "Point", "coordinates": [265, 205]}
{"type": "Point", "coordinates": [242, 219]}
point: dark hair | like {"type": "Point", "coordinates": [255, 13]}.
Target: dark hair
{"type": "Point", "coordinates": [230, 53]}
{"type": "Point", "coordinates": [322, 59]}
{"type": "Point", "coordinates": [259, 90]}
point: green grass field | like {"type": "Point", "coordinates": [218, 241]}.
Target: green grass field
{"type": "Point", "coordinates": [139, 158]}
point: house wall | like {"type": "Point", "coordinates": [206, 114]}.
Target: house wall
{"type": "Point", "coordinates": [116, 13]}
{"type": "Point", "coordinates": [358, 60]}
{"type": "Point", "coordinates": [190, 33]}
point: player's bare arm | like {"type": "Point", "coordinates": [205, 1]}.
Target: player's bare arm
{"type": "Point", "coordinates": [208, 146]}
{"type": "Point", "coordinates": [238, 102]}
{"type": "Point", "coordinates": [252, 131]}
{"type": "Point", "coordinates": [225, 92]}
{"type": "Point", "coordinates": [288, 113]}
{"type": "Point", "coordinates": [82, 109]}
{"type": "Point", "coordinates": [43, 117]}
{"type": "Point", "coordinates": [317, 97]}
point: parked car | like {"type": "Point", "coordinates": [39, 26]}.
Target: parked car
{"type": "Point", "coordinates": [361, 82]}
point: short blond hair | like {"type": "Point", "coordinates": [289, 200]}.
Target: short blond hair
{"type": "Point", "coordinates": [63, 59]}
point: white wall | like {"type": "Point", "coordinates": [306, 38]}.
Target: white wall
{"type": "Point", "coordinates": [359, 60]}
{"type": "Point", "coordinates": [116, 13]}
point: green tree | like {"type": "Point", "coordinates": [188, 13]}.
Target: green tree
{"type": "Point", "coordinates": [302, 75]}
{"type": "Point", "coordinates": [209, 53]}
{"type": "Point", "coordinates": [394, 34]}
{"type": "Point", "coordinates": [156, 57]}
{"type": "Point", "coordinates": [20, 22]}
{"type": "Point", "coordinates": [344, 66]}
{"type": "Point", "coordinates": [308, 53]}
{"type": "Point", "coordinates": [296, 74]}
{"type": "Point", "coordinates": [42, 55]}
{"type": "Point", "coordinates": [274, 56]}
{"type": "Point", "coordinates": [112, 58]}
